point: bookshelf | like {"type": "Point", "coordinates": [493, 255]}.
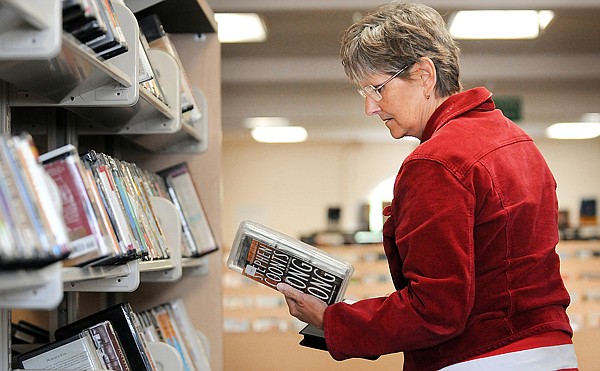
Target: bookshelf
{"type": "Point", "coordinates": [102, 100]}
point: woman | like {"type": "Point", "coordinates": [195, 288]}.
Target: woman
{"type": "Point", "coordinates": [472, 227]}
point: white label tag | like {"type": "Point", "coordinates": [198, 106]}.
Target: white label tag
{"type": "Point", "coordinates": [250, 270]}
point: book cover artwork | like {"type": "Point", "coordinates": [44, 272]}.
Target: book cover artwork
{"type": "Point", "coordinates": [269, 257]}
{"type": "Point", "coordinates": [270, 266]}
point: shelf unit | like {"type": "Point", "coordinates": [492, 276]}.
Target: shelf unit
{"type": "Point", "coordinates": [40, 66]}
{"type": "Point", "coordinates": [86, 85]}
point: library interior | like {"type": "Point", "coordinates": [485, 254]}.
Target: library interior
{"type": "Point", "coordinates": [149, 204]}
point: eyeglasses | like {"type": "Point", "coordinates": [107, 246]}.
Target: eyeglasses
{"type": "Point", "coordinates": [373, 92]}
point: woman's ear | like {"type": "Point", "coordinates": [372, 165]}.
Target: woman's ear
{"type": "Point", "coordinates": [427, 75]}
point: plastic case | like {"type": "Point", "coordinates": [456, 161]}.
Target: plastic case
{"type": "Point", "coordinates": [269, 257]}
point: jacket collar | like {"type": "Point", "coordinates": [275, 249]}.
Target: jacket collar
{"type": "Point", "coordinates": [457, 105]}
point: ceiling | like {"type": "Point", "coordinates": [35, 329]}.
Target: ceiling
{"type": "Point", "coordinates": [296, 73]}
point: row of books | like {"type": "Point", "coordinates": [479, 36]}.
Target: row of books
{"type": "Point", "coordinates": [117, 339]}
{"type": "Point", "coordinates": [32, 231]}
{"type": "Point", "coordinates": [153, 35]}
{"type": "Point", "coordinates": [90, 209]}
{"type": "Point", "coordinates": [170, 323]}
{"type": "Point", "coordinates": [106, 207]}
{"type": "Point", "coordinates": [95, 25]}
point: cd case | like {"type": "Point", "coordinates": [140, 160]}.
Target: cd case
{"type": "Point", "coordinates": [269, 257]}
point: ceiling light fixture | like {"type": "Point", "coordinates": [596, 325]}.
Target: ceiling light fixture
{"type": "Point", "coordinates": [275, 130]}
{"type": "Point", "coordinates": [255, 122]}
{"type": "Point", "coordinates": [279, 134]}
{"type": "Point", "coordinates": [588, 128]}
{"type": "Point", "coordinates": [240, 28]}
{"type": "Point", "coordinates": [499, 24]}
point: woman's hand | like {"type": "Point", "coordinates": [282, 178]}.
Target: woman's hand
{"type": "Point", "coordinates": [305, 307]}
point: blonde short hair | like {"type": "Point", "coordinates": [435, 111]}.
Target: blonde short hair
{"type": "Point", "coordinates": [398, 34]}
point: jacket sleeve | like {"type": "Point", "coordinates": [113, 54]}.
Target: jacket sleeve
{"type": "Point", "coordinates": [431, 230]}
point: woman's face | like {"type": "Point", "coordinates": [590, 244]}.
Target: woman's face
{"type": "Point", "coordinates": [403, 106]}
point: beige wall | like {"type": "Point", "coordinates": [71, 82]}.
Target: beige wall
{"type": "Point", "coordinates": [289, 187]}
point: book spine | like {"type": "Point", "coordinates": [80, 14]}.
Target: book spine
{"type": "Point", "coordinates": [186, 199]}
{"type": "Point", "coordinates": [136, 327]}
{"type": "Point", "coordinates": [79, 218]}
{"type": "Point", "coordinates": [16, 226]}
{"type": "Point", "coordinates": [50, 217]}
{"type": "Point", "coordinates": [128, 206]}
{"type": "Point", "coordinates": [127, 238]}
{"type": "Point", "coordinates": [36, 243]}
{"type": "Point", "coordinates": [108, 346]}
{"type": "Point", "coordinates": [156, 241]}
{"type": "Point", "coordinates": [170, 336]}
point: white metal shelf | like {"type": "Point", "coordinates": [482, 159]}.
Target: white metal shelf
{"type": "Point", "coordinates": [31, 288]}
{"type": "Point", "coordinates": [113, 278]}
{"type": "Point", "coordinates": [167, 270]}
{"type": "Point", "coordinates": [196, 131]}
{"type": "Point", "coordinates": [148, 116]}
{"type": "Point", "coordinates": [195, 266]}
{"type": "Point", "coordinates": [30, 29]}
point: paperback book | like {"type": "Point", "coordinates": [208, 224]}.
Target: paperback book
{"type": "Point", "coordinates": [270, 257]}
{"type": "Point", "coordinates": [169, 323]}
{"type": "Point", "coordinates": [32, 233]}
{"type": "Point", "coordinates": [126, 327]}
{"type": "Point", "coordinates": [76, 352]}
{"type": "Point", "coordinates": [198, 236]}
{"type": "Point", "coordinates": [103, 175]}
{"type": "Point", "coordinates": [91, 236]}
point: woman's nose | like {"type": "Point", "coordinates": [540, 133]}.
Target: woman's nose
{"type": "Point", "coordinates": [371, 106]}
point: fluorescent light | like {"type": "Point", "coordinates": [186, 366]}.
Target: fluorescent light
{"type": "Point", "coordinates": [240, 28]}
{"type": "Point", "coordinates": [499, 24]}
{"type": "Point", "coordinates": [573, 130]}
{"type": "Point", "coordinates": [254, 122]}
{"type": "Point", "coordinates": [279, 134]}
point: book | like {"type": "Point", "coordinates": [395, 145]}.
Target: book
{"type": "Point", "coordinates": [269, 257]}
{"type": "Point", "coordinates": [148, 79]}
{"type": "Point", "coordinates": [197, 349]}
{"type": "Point", "coordinates": [20, 234]}
{"type": "Point", "coordinates": [137, 182]}
{"type": "Point", "coordinates": [82, 19]}
{"type": "Point", "coordinates": [170, 323]}
{"type": "Point", "coordinates": [76, 352]}
{"type": "Point", "coordinates": [198, 236]}
{"type": "Point", "coordinates": [127, 201]}
{"type": "Point", "coordinates": [112, 42]}
{"type": "Point", "coordinates": [97, 163]}
{"type": "Point", "coordinates": [109, 347]}
{"type": "Point", "coordinates": [126, 326]}
{"type": "Point", "coordinates": [151, 27]}
{"type": "Point", "coordinates": [42, 192]}
{"type": "Point", "coordinates": [33, 232]}
{"type": "Point", "coordinates": [91, 236]}
{"type": "Point", "coordinates": [170, 334]}
{"type": "Point", "coordinates": [313, 337]}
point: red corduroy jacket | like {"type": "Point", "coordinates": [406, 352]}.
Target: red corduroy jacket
{"type": "Point", "coordinates": [470, 242]}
